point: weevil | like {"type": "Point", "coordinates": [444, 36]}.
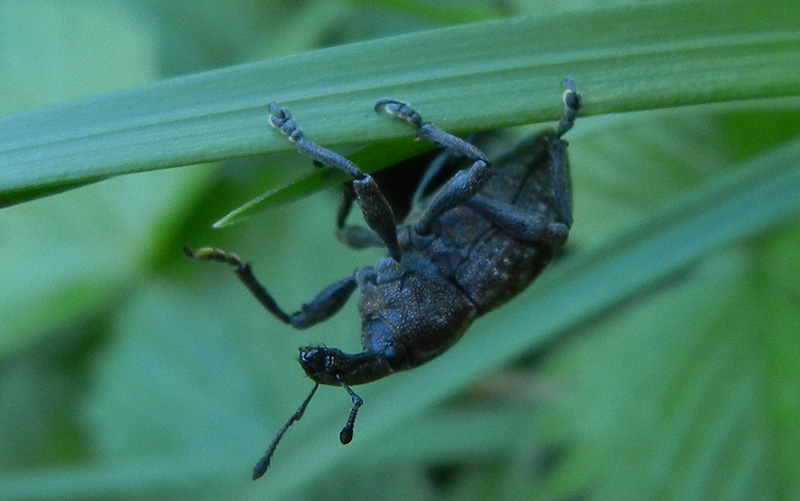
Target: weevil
{"type": "Point", "coordinates": [466, 247]}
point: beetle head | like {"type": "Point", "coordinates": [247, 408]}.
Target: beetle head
{"type": "Point", "coordinates": [322, 364]}
{"type": "Point", "coordinates": [334, 367]}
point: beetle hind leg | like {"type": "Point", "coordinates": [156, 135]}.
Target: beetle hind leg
{"type": "Point", "coordinates": [559, 165]}
{"type": "Point", "coordinates": [572, 104]}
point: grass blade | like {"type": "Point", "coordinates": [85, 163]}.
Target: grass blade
{"type": "Point", "coordinates": [654, 56]}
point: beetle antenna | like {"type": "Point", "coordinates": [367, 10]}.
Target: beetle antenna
{"type": "Point", "coordinates": [263, 464]}
{"type": "Point", "coordinates": [346, 435]}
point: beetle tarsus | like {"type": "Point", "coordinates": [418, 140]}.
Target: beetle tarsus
{"type": "Point", "coordinates": [572, 105]}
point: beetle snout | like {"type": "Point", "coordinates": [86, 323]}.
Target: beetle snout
{"type": "Point", "coordinates": [320, 364]}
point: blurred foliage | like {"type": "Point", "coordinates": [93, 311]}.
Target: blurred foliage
{"type": "Point", "coordinates": [659, 358]}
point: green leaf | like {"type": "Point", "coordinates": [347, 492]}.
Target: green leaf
{"type": "Point", "coordinates": [374, 156]}
{"type": "Point", "coordinates": [62, 266]}
{"type": "Point", "coordinates": [668, 241]}
{"type": "Point", "coordinates": [183, 380]}
{"type": "Point", "coordinates": [478, 76]}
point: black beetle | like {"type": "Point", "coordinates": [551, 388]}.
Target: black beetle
{"type": "Point", "coordinates": [466, 248]}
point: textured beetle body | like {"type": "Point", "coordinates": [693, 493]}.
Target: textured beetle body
{"type": "Point", "coordinates": [466, 247]}
{"type": "Point", "coordinates": [488, 263]}
{"type": "Point", "coordinates": [416, 309]}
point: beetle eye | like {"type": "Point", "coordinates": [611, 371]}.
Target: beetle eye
{"type": "Point", "coordinates": [395, 357]}
{"type": "Point", "coordinates": [308, 354]}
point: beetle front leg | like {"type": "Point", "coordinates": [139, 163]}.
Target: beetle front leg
{"type": "Point", "coordinates": [326, 303]}
{"type": "Point", "coordinates": [463, 185]}
{"type": "Point", "coordinates": [376, 210]}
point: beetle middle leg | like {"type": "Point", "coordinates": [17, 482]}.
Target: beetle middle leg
{"type": "Point", "coordinates": [459, 188]}
{"type": "Point", "coordinates": [326, 303]}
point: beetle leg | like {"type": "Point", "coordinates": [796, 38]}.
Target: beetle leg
{"type": "Point", "coordinates": [562, 191]}
{"type": "Point", "coordinates": [521, 224]}
{"type": "Point", "coordinates": [461, 187]}
{"type": "Point", "coordinates": [376, 210]}
{"type": "Point", "coordinates": [559, 166]}
{"type": "Point", "coordinates": [572, 104]}
{"type": "Point", "coordinates": [430, 174]}
{"type": "Point", "coordinates": [464, 184]}
{"type": "Point", "coordinates": [355, 237]}
{"type": "Point", "coordinates": [518, 223]}
{"type": "Point", "coordinates": [427, 131]}
{"type": "Point", "coordinates": [327, 302]}
{"type": "Point", "coordinates": [528, 227]}
{"type": "Point", "coordinates": [443, 162]}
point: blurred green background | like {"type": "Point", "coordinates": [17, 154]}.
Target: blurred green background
{"type": "Point", "coordinates": [659, 358]}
